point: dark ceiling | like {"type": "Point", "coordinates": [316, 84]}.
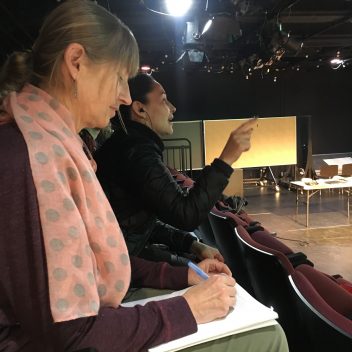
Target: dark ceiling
{"type": "Point", "coordinates": [247, 35]}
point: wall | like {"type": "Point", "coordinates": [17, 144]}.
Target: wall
{"type": "Point", "coordinates": [323, 93]}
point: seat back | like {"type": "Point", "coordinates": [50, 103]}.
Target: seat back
{"type": "Point", "coordinates": [206, 233]}
{"type": "Point", "coordinates": [269, 272]}
{"type": "Point", "coordinates": [229, 246]}
{"type": "Point", "coordinates": [328, 330]}
{"type": "Point", "coordinates": [327, 171]}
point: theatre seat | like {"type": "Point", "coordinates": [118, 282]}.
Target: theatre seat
{"type": "Point", "coordinates": [269, 272]}
{"type": "Point", "coordinates": [229, 246]}
{"type": "Point", "coordinates": [328, 329]}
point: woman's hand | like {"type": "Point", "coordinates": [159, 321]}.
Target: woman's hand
{"type": "Point", "coordinates": [239, 141]}
{"type": "Point", "coordinates": [203, 251]}
{"type": "Point", "coordinates": [211, 299]}
{"type": "Point", "coordinates": [210, 267]}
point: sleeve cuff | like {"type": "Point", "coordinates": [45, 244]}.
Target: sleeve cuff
{"type": "Point", "coordinates": [178, 315]}
{"type": "Point", "coordinates": [173, 277]}
{"type": "Point", "coordinates": [223, 167]}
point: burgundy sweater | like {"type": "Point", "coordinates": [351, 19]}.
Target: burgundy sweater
{"type": "Point", "coordinates": [26, 323]}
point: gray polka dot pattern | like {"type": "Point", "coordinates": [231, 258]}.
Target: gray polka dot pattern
{"type": "Point", "coordinates": [26, 118]}
{"type": "Point", "coordinates": [56, 244]}
{"type": "Point", "coordinates": [44, 116]}
{"type": "Point", "coordinates": [24, 107]}
{"type": "Point", "coordinates": [58, 150]}
{"type": "Point", "coordinates": [110, 216]}
{"type": "Point", "coordinates": [41, 158]}
{"type": "Point", "coordinates": [78, 271]}
{"type": "Point", "coordinates": [77, 199]}
{"type": "Point", "coordinates": [91, 278]}
{"type": "Point", "coordinates": [100, 197]}
{"type": "Point", "coordinates": [52, 215]}
{"type": "Point", "coordinates": [94, 306]}
{"type": "Point", "coordinates": [59, 274]}
{"type": "Point", "coordinates": [54, 104]}
{"type": "Point", "coordinates": [109, 267]}
{"type": "Point", "coordinates": [35, 135]}
{"type": "Point", "coordinates": [67, 132]}
{"type": "Point", "coordinates": [72, 173]}
{"type": "Point", "coordinates": [102, 290]}
{"type": "Point", "coordinates": [99, 222]}
{"type": "Point", "coordinates": [124, 259]}
{"type": "Point", "coordinates": [95, 247]}
{"type": "Point", "coordinates": [62, 177]}
{"type": "Point", "coordinates": [88, 203]}
{"type": "Point", "coordinates": [111, 241]}
{"type": "Point", "coordinates": [47, 186]}
{"type": "Point", "coordinates": [73, 232]}
{"type": "Point", "coordinates": [57, 135]}
{"type": "Point", "coordinates": [62, 305]}
{"type": "Point", "coordinates": [69, 205]}
{"type": "Point", "coordinates": [88, 250]}
{"type": "Point", "coordinates": [79, 290]}
{"type": "Point", "coordinates": [119, 286]}
{"type": "Point", "coordinates": [34, 97]}
{"type": "Point", "coordinates": [87, 176]}
{"type": "Point", "coordinates": [77, 261]}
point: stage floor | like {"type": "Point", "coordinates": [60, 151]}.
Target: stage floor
{"type": "Point", "coordinates": [328, 240]}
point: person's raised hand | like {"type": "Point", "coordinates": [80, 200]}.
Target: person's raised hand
{"type": "Point", "coordinates": [239, 141]}
{"type": "Point", "coordinates": [210, 267]}
{"type": "Point", "coordinates": [212, 298]}
{"type": "Point", "coordinates": [203, 251]}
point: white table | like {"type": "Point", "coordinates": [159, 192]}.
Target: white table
{"type": "Point", "coordinates": [337, 182]}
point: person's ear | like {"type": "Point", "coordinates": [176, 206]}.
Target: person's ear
{"type": "Point", "coordinates": [73, 57]}
{"type": "Point", "coordinates": [138, 109]}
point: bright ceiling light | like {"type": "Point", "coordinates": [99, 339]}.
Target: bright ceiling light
{"type": "Point", "coordinates": [178, 7]}
{"type": "Point", "coordinates": [336, 61]}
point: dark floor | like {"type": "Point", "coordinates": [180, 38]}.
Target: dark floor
{"type": "Point", "coordinates": [328, 240]}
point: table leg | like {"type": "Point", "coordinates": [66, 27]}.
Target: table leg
{"type": "Point", "coordinates": [348, 204]}
{"type": "Point", "coordinates": [307, 210]}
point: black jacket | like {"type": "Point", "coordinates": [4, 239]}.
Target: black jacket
{"type": "Point", "coordinates": [141, 189]}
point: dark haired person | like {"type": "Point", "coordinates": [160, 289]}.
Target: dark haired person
{"type": "Point", "coordinates": [141, 189]}
{"type": "Point", "coordinates": [64, 264]}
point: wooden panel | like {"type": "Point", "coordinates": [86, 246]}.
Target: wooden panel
{"type": "Point", "coordinates": [273, 141]}
{"type": "Point", "coordinates": [235, 185]}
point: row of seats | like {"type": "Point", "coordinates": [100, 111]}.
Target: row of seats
{"type": "Point", "coordinates": [313, 309]}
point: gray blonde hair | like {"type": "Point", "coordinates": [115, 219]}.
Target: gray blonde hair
{"type": "Point", "coordinates": [104, 37]}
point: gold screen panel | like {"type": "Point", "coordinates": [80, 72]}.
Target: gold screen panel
{"type": "Point", "coordinates": [273, 141]}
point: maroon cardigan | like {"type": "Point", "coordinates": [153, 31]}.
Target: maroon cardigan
{"type": "Point", "coordinates": [25, 318]}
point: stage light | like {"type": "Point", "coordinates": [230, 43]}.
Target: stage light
{"type": "Point", "coordinates": [207, 26]}
{"type": "Point", "coordinates": [146, 69]}
{"type": "Point", "coordinates": [178, 7]}
{"type": "Point", "coordinates": [336, 61]}
{"type": "Point", "coordinates": [195, 55]}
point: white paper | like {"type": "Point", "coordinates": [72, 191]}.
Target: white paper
{"type": "Point", "coordinates": [247, 314]}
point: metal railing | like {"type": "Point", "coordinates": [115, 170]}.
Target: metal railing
{"type": "Point", "coordinates": [178, 154]}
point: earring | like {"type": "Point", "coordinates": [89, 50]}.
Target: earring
{"type": "Point", "coordinates": [75, 90]}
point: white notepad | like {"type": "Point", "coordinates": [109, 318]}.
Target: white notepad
{"type": "Point", "coordinates": [247, 314]}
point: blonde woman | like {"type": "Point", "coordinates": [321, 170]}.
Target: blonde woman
{"type": "Point", "coordinates": [64, 264]}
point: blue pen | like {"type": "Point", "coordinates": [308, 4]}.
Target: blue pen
{"type": "Point", "coordinates": [198, 270]}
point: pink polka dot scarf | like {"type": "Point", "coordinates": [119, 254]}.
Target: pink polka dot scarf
{"type": "Point", "coordinates": [87, 259]}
